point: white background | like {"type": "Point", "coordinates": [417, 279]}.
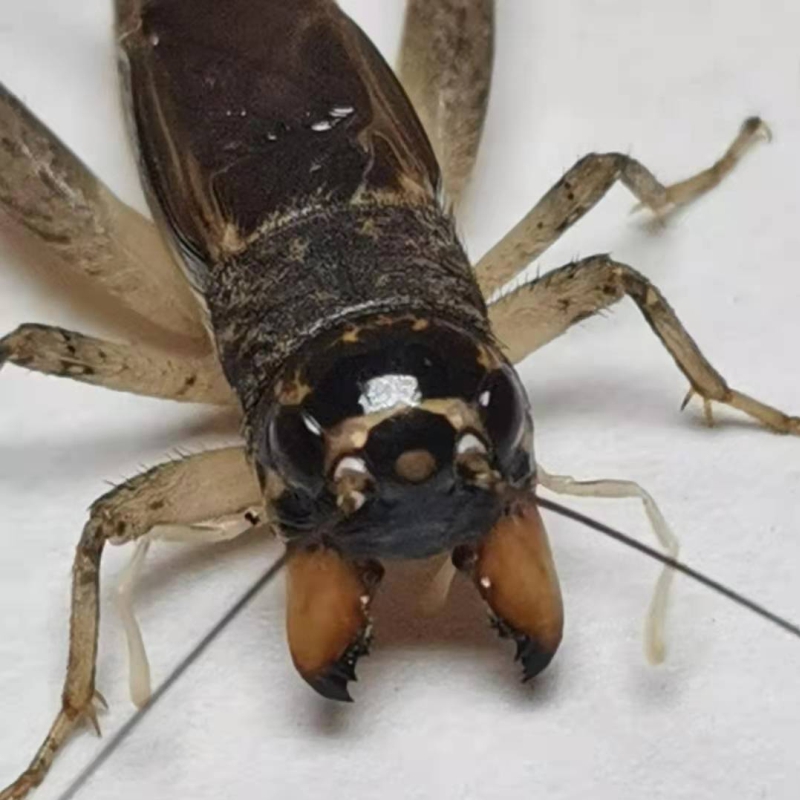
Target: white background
{"type": "Point", "coordinates": [439, 710]}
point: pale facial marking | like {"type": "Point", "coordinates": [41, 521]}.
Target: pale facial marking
{"type": "Point", "coordinates": [415, 466]}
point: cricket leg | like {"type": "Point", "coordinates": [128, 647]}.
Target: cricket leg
{"type": "Point", "coordinates": [654, 622]}
{"type": "Point", "coordinates": [123, 367]}
{"type": "Point", "coordinates": [446, 68]}
{"type": "Point", "coordinates": [47, 190]}
{"type": "Point", "coordinates": [222, 529]}
{"type": "Point", "coordinates": [537, 312]}
{"type": "Point", "coordinates": [185, 492]}
{"type": "Point", "coordinates": [587, 183]}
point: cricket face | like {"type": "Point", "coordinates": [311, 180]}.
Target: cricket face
{"type": "Point", "coordinates": [403, 438]}
{"type": "Point", "coordinates": [396, 440]}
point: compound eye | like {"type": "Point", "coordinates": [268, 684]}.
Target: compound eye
{"type": "Point", "coordinates": [503, 408]}
{"type": "Point", "coordinates": [296, 447]}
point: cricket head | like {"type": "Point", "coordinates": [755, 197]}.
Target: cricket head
{"type": "Point", "coordinates": [400, 437]}
{"type": "Point", "coordinates": [394, 438]}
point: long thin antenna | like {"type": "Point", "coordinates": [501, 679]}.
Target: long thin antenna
{"type": "Point", "coordinates": [678, 566]}
{"type": "Point", "coordinates": [116, 740]}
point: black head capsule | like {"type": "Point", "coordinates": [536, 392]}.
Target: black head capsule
{"type": "Point", "coordinates": [398, 437]}
{"type": "Point", "coordinates": [391, 435]}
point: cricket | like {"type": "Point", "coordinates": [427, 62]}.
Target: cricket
{"type": "Point", "coordinates": [304, 269]}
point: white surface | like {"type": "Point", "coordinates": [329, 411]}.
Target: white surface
{"type": "Point", "coordinates": [439, 710]}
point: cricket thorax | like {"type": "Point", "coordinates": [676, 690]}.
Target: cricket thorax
{"type": "Point", "coordinates": [390, 437]}
{"type": "Point", "coordinates": [308, 272]}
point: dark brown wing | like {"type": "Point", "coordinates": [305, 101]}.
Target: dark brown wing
{"type": "Point", "coordinates": [247, 110]}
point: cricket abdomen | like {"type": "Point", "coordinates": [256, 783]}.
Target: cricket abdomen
{"type": "Point", "coordinates": [327, 265]}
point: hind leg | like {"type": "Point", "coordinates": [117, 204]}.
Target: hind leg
{"type": "Point", "coordinates": [446, 68]}
{"type": "Point", "coordinates": [49, 192]}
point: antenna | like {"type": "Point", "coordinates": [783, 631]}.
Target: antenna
{"type": "Point", "coordinates": [678, 566]}
{"type": "Point", "coordinates": [116, 740]}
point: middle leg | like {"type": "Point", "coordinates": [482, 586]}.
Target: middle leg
{"type": "Point", "coordinates": [536, 313]}
{"type": "Point", "coordinates": [446, 68]}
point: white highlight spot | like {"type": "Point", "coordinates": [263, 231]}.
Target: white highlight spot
{"type": "Point", "coordinates": [388, 391]}
{"type": "Point", "coordinates": [312, 425]}
{"type": "Point", "coordinates": [470, 443]}
{"type": "Point", "coordinates": [349, 464]}
{"type": "Point", "coordinates": [486, 583]}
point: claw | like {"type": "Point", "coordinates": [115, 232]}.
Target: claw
{"type": "Point", "coordinates": [68, 719]}
{"type": "Point", "coordinates": [533, 656]}
{"type": "Point", "coordinates": [332, 681]}
{"type": "Point", "coordinates": [89, 713]}
{"type": "Point", "coordinates": [331, 685]}
{"type": "Point", "coordinates": [708, 408]}
{"type": "Point", "coordinates": [21, 787]}
{"type": "Point", "coordinates": [100, 699]}
{"type": "Point", "coordinates": [327, 618]}
{"type": "Point", "coordinates": [91, 716]}
{"type": "Point", "coordinates": [515, 574]}
{"type": "Point", "coordinates": [755, 126]}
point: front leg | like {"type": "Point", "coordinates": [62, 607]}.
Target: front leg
{"type": "Point", "coordinates": [584, 186]}
{"type": "Point", "coordinates": [123, 367]}
{"type": "Point", "coordinates": [536, 313]}
{"type": "Point", "coordinates": [180, 493]}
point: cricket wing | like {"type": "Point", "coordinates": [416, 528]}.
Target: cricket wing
{"type": "Point", "coordinates": [246, 112]}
